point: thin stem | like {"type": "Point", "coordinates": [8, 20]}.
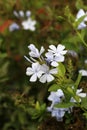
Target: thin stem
{"type": "Point", "coordinates": [81, 38]}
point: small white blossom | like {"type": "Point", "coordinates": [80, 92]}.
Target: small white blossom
{"type": "Point", "coordinates": [21, 13]}
{"type": "Point", "coordinates": [79, 94]}
{"type": "Point", "coordinates": [56, 97]}
{"type": "Point", "coordinates": [83, 72]}
{"type": "Point", "coordinates": [34, 52]}
{"type": "Point", "coordinates": [47, 76]}
{"type": "Point", "coordinates": [14, 26]}
{"type": "Point", "coordinates": [35, 71]}
{"type": "Point", "coordinates": [29, 24]}
{"type": "Point", "coordinates": [59, 51]}
{"type": "Point", "coordinates": [16, 13]}
{"type": "Point", "coordinates": [28, 13]}
{"type": "Point", "coordinates": [57, 112]}
{"type": "Point", "coordinates": [79, 15]}
{"type": "Point", "coordinates": [85, 61]}
{"type": "Point", "coordinates": [56, 55]}
{"type": "Point", "coordinates": [50, 58]}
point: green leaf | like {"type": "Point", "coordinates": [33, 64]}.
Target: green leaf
{"type": "Point", "coordinates": [54, 87]}
{"type": "Point", "coordinates": [64, 105]}
{"type": "Point", "coordinates": [85, 114]}
{"type": "Point", "coordinates": [78, 80]}
{"type": "Point", "coordinates": [61, 70]}
{"type": "Point", "coordinates": [37, 106]}
{"type": "Point", "coordinates": [84, 102]}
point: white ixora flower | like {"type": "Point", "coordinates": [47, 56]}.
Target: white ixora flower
{"type": "Point", "coordinates": [29, 24]}
{"type": "Point", "coordinates": [79, 15]}
{"type": "Point", "coordinates": [34, 52]}
{"type": "Point", "coordinates": [47, 76]}
{"type": "Point", "coordinates": [83, 72]}
{"type": "Point", "coordinates": [35, 71]}
{"type": "Point", "coordinates": [14, 26]}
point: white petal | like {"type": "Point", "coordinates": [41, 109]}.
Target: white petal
{"type": "Point", "coordinates": [44, 68]}
{"type": "Point", "coordinates": [82, 95]}
{"type": "Point", "coordinates": [52, 47]}
{"type": "Point", "coordinates": [35, 65]}
{"type": "Point", "coordinates": [28, 13]}
{"type": "Point", "coordinates": [83, 72]}
{"type": "Point", "coordinates": [42, 50]}
{"type": "Point", "coordinates": [53, 71]}
{"type": "Point", "coordinates": [33, 78]}
{"type": "Point", "coordinates": [43, 79]}
{"type": "Point", "coordinates": [50, 78]}
{"type": "Point", "coordinates": [80, 13]}
{"type": "Point", "coordinates": [39, 74]}
{"type": "Point", "coordinates": [29, 71]}
{"type": "Point", "coordinates": [21, 13]}
{"type": "Point", "coordinates": [54, 63]}
{"type": "Point", "coordinates": [82, 25]}
{"type": "Point", "coordinates": [59, 58]}
{"type": "Point", "coordinates": [60, 47]}
{"type": "Point", "coordinates": [59, 93]}
{"type": "Point", "coordinates": [15, 13]}
{"type": "Point", "coordinates": [31, 47]}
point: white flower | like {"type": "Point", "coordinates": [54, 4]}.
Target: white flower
{"type": "Point", "coordinates": [14, 26]}
{"type": "Point", "coordinates": [79, 15]}
{"type": "Point", "coordinates": [21, 13]}
{"type": "Point", "coordinates": [35, 71]}
{"type": "Point", "coordinates": [56, 97]}
{"type": "Point", "coordinates": [59, 51]}
{"type": "Point", "coordinates": [82, 25]}
{"type": "Point", "coordinates": [50, 58]}
{"type": "Point", "coordinates": [83, 72]}
{"type": "Point", "coordinates": [29, 24]}
{"type": "Point", "coordinates": [28, 13]}
{"type": "Point", "coordinates": [16, 13]}
{"type": "Point", "coordinates": [55, 55]}
{"type": "Point", "coordinates": [57, 112]}
{"type": "Point", "coordinates": [34, 52]}
{"type": "Point", "coordinates": [47, 76]}
{"type": "Point", "coordinates": [85, 61]}
{"type": "Point", "coordinates": [79, 94]}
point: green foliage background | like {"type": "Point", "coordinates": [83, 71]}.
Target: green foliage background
{"type": "Point", "coordinates": [18, 97]}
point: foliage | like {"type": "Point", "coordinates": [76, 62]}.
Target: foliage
{"type": "Point", "coordinates": [23, 105]}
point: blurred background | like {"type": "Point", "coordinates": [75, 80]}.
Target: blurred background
{"type": "Point", "coordinates": [48, 25]}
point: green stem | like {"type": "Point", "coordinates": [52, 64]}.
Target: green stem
{"type": "Point", "coordinates": [81, 38]}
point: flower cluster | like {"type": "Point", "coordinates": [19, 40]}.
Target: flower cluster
{"type": "Point", "coordinates": [58, 97]}
{"type": "Point", "coordinates": [26, 21]}
{"type": "Point", "coordinates": [44, 67]}
{"type": "Point", "coordinates": [80, 14]}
